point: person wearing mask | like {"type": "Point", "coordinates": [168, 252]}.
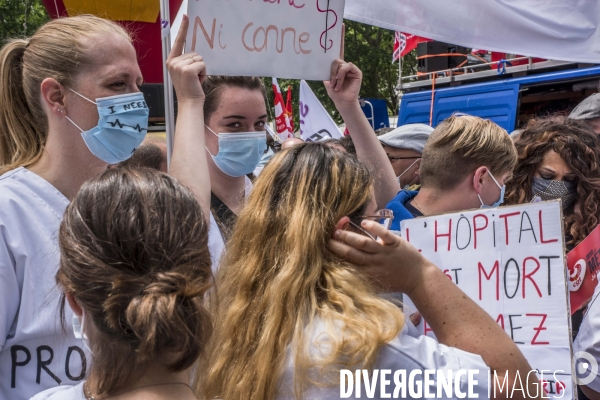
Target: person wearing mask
{"type": "Point", "coordinates": [588, 111]}
{"type": "Point", "coordinates": [306, 312]}
{"type": "Point", "coordinates": [404, 147]}
{"type": "Point", "coordinates": [62, 92]}
{"type": "Point", "coordinates": [235, 118]}
{"type": "Point", "coordinates": [134, 268]}
{"type": "Point", "coordinates": [465, 164]}
{"type": "Point", "coordinates": [558, 159]}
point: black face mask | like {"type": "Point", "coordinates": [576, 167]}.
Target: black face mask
{"type": "Point", "coordinates": [547, 189]}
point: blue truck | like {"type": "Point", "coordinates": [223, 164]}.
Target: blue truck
{"type": "Point", "coordinates": [509, 99]}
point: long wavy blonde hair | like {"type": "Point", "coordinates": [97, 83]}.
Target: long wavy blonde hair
{"type": "Point", "coordinates": [279, 276]}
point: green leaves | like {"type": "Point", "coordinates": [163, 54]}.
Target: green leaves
{"type": "Point", "coordinates": [21, 18]}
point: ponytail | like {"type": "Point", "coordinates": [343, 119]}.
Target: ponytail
{"type": "Point", "coordinates": [57, 50]}
{"type": "Point", "coordinates": [20, 143]}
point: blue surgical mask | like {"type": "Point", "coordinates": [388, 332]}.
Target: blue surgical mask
{"type": "Point", "coordinates": [502, 190]}
{"type": "Point", "coordinates": [121, 128]}
{"type": "Point", "coordinates": [78, 325]}
{"type": "Point", "coordinates": [239, 153]}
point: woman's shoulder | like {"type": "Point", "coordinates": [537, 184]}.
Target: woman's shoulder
{"type": "Point", "coordinates": [410, 351]}
{"type": "Point", "coordinates": [62, 393]}
{"type": "Point", "coordinates": [21, 189]}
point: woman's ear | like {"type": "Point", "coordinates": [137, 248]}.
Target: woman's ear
{"type": "Point", "coordinates": [53, 96]}
{"type": "Point", "coordinates": [73, 304]}
{"type": "Point", "coordinates": [341, 224]}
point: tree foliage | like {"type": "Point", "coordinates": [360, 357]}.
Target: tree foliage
{"type": "Point", "coordinates": [370, 48]}
{"type": "Point", "coordinates": [21, 18]}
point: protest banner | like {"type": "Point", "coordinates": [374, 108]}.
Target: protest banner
{"type": "Point", "coordinates": [583, 262]}
{"type": "Point", "coordinates": [296, 39]}
{"type": "Point", "coordinates": [315, 122]}
{"type": "Point", "coordinates": [511, 262]}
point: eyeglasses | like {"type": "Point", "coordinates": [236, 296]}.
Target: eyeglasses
{"type": "Point", "coordinates": [402, 158]}
{"type": "Point", "coordinates": [384, 217]}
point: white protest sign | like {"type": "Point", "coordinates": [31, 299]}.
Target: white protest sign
{"type": "Point", "coordinates": [315, 122]}
{"type": "Point", "coordinates": [281, 38]}
{"type": "Point", "coordinates": [511, 262]}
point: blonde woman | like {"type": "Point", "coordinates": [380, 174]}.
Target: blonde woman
{"type": "Point", "coordinates": [62, 92]}
{"type": "Point", "coordinates": [292, 313]}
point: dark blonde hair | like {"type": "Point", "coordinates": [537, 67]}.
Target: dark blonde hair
{"type": "Point", "coordinates": [57, 50]}
{"type": "Point", "coordinates": [461, 144]}
{"type": "Point", "coordinates": [279, 276]}
{"type": "Point", "coordinates": [579, 147]}
{"type": "Point", "coordinates": [135, 257]}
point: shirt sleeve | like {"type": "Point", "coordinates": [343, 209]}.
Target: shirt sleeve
{"type": "Point", "coordinates": [587, 344]}
{"type": "Point", "coordinates": [9, 287]}
{"type": "Point", "coordinates": [424, 353]}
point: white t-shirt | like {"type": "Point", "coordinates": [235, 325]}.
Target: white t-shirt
{"type": "Point", "coordinates": [216, 244]}
{"type": "Point", "coordinates": [588, 341]}
{"type": "Point", "coordinates": [406, 352]}
{"type": "Point", "coordinates": [35, 352]}
{"type": "Point", "coordinates": [62, 393]}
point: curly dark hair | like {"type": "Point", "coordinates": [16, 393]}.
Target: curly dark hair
{"type": "Point", "coordinates": [579, 147]}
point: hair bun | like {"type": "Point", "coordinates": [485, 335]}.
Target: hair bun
{"type": "Point", "coordinates": [174, 283]}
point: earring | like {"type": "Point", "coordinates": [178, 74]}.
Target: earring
{"type": "Point", "coordinates": [61, 111]}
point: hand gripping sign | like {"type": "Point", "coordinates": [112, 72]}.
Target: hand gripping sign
{"type": "Point", "coordinates": [296, 39]}
{"type": "Point", "coordinates": [510, 261]}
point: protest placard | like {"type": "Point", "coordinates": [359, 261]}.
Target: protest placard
{"type": "Point", "coordinates": [280, 38]}
{"type": "Point", "coordinates": [315, 122]}
{"type": "Point", "coordinates": [511, 262]}
{"type": "Point", "coordinates": [583, 263]}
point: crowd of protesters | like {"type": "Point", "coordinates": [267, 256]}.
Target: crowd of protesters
{"type": "Point", "coordinates": [246, 269]}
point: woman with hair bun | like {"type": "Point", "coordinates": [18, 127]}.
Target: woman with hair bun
{"type": "Point", "coordinates": [70, 105]}
{"type": "Point", "coordinates": [135, 278]}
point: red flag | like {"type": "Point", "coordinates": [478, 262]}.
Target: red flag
{"type": "Point", "coordinates": [288, 107]}
{"type": "Point", "coordinates": [582, 263]}
{"type": "Point", "coordinates": [282, 122]}
{"type": "Point", "coordinates": [405, 43]}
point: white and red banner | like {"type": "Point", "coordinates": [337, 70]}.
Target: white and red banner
{"type": "Point", "coordinates": [510, 261]}
{"type": "Point", "coordinates": [404, 43]}
{"type": "Point", "coordinates": [282, 118]}
{"type": "Point", "coordinates": [567, 30]}
{"type": "Point", "coordinates": [315, 122]}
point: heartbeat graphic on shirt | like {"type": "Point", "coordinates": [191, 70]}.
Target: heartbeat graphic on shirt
{"type": "Point", "coordinates": [117, 122]}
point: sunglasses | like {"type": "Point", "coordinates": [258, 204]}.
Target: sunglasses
{"type": "Point", "coordinates": [384, 217]}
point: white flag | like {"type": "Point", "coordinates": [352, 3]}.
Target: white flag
{"type": "Point", "coordinates": [566, 30]}
{"type": "Point", "coordinates": [315, 122]}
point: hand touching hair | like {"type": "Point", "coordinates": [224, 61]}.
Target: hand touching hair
{"type": "Point", "coordinates": [134, 256]}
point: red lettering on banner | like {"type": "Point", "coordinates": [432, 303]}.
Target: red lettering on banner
{"type": "Point", "coordinates": [529, 276]}
{"type": "Point", "coordinates": [540, 328]}
{"type": "Point", "coordinates": [500, 320]}
{"type": "Point", "coordinates": [542, 231]}
{"type": "Point", "coordinates": [476, 229]}
{"type": "Point", "coordinates": [438, 235]}
{"type": "Point", "coordinates": [496, 268]}
{"type": "Point", "coordinates": [505, 216]}
{"type": "Point", "coordinates": [426, 327]}
{"type": "Point", "coordinates": [447, 274]}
